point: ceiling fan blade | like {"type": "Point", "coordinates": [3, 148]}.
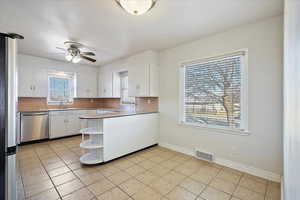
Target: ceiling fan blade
{"type": "Point", "coordinates": [87, 58]}
{"type": "Point", "coordinates": [88, 53]}
{"type": "Point", "coordinates": [62, 49]}
{"type": "Point", "coordinates": [73, 44]}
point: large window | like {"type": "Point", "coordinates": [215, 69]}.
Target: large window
{"type": "Point", "coordinates": [61, 88]}
{"type": "Point", "coordinates": [214, 92]}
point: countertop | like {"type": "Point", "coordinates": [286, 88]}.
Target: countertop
{"type": "Point", "coordinates": [63, 109]}
{"type": "Point", "coordinates": [106, 112]}
{"type": "Point", "coordinates": [113, 114]}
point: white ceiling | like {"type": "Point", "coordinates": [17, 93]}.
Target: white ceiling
{"type": "Point", "coordinates": [114, 34]}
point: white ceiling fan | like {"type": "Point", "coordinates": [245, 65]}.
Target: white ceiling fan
{"type": "Point", "coordinates": [74, 52]}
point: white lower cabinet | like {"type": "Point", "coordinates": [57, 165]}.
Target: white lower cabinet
{"type": "Point", "coordinates": [57, 124]}
{"type": "Point", "coordinates": [66, 123]}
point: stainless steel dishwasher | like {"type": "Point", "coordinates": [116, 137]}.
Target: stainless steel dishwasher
{"type": "Point", "coordinates": [34, 126]}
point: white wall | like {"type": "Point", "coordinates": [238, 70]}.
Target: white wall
{"type": "Point", "coordinates": [291, 100]}
{"type": "Point", "coordinates": [262, 149]}
{"type": "Point", "coordinates": [116, 66]}
{"type": "Point", "coordinates": [87, 76]}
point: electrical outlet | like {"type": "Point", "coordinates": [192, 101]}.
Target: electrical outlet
{"type": "Point", "coordinates": [149, 101]}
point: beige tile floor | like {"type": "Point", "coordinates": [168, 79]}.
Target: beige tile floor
{"type": "Point", "coordinates": [51, 171]}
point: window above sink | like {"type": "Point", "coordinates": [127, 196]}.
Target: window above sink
{"type": "Point", "coordinates": [61, 88]}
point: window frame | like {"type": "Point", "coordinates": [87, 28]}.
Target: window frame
{"type": "Point", "coordinates": [244, 130]}
{"type": "Point", "coordinates": [131, 100]}
{"type": "Point", "coordinates": [60, 75]}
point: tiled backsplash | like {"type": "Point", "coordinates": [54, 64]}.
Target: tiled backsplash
{"type": "Point", "coordinates": [31, 103]}
{"type": "Point", "coordinates": [143, 104]}
{"type": "Point", "coordinates": [146, 104]}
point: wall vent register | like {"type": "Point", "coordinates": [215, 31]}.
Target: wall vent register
{"type": "Point", "coordinates": [204, 155]}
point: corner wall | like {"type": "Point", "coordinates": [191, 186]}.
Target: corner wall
{"type": "Point", "coordinates": [292, 100]}
{"type": "Point", "coordinates": [259, 152]}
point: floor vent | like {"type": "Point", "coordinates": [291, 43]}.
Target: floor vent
{"type": "Point", "coordinates": [204, 156]}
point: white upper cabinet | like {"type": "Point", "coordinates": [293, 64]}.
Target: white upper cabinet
{"type": "Point", "coordinates": [32, 81]}
{"type": "Point", "coordinates": [87, 84]}
{"type": "Point", "coordinates": [143, 75]}
{"type": "Point", "coordinates": [105, 83]}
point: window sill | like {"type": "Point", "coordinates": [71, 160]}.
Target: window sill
{"type": "Point", "coordinates": [218, 129]}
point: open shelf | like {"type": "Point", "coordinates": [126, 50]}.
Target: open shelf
{"type": "Point", "coordinates": [89, 144]}
{"type": "Point", "coordinates": [91, 131]}
{"type": "Point", "coordinates": [91, 158]}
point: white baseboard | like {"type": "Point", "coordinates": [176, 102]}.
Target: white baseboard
{"type": "Point", "coordinates": [231, 164]}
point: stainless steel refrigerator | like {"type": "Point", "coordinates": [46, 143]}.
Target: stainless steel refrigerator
{"type": "Point", "coordinates": [8, 113]}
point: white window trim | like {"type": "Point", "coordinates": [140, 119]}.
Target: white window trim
{"type": "Point", "coordinates": [56, 73]}
{"type": "Point", "coordinates": [244, 95]}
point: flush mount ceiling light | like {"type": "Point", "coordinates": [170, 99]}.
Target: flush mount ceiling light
{"type": "Point", "coordinates": [136, 7]}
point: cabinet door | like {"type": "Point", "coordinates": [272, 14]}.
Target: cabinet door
{"type": "Point", "coordinates": [116, 85]}
{"type": "Point", "coordinates": [57, 125]}
{"type": "Point", "coordinates": [106, 84]}
{"type": "Point", "coordinates": [25, 82]}
{"type": "Point", "coordinates": [143, 74]}
{"type": "Point", "coordinates": [40, 83]}
{"type": "Point", "coordinates": [153, 86]}
{"type": "Point", "coordinates": [86, 85]}
{"type": "Point", "coordinates": [73, 123]}
{"type": "Point", "coordinates": [137, 79]}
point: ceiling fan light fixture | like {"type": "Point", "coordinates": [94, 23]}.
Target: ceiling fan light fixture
{"type": "Point", "coordinates": [69, 57]}
{"type": "Point", "coordinates": [76, 59]}
{"type": "Point", "coordinates": [136, 7]}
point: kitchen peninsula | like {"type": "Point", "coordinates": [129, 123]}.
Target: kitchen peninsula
{"type": "Point", "coordinates": [113, 134]}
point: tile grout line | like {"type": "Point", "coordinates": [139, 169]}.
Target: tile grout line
{"type": "Point", "coordinates": [207, 185]}
{"type": "Point", "coordinates": [123, 169]}
{"type": "Point", "coordinates": [267, 185]}
{"type": "Point", "coordinates": [20, 174]}
{"type": "Point", "coordinates": [67, 172]}
{"type": "Point", "coordinates": [47, 171]}
{"type": "Point", "coordinates": [146, 170]}
{"type": "Point", "coordinates": [237, 185]}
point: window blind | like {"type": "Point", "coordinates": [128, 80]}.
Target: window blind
{"type": "Point", "coordinates": [212, 92]}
